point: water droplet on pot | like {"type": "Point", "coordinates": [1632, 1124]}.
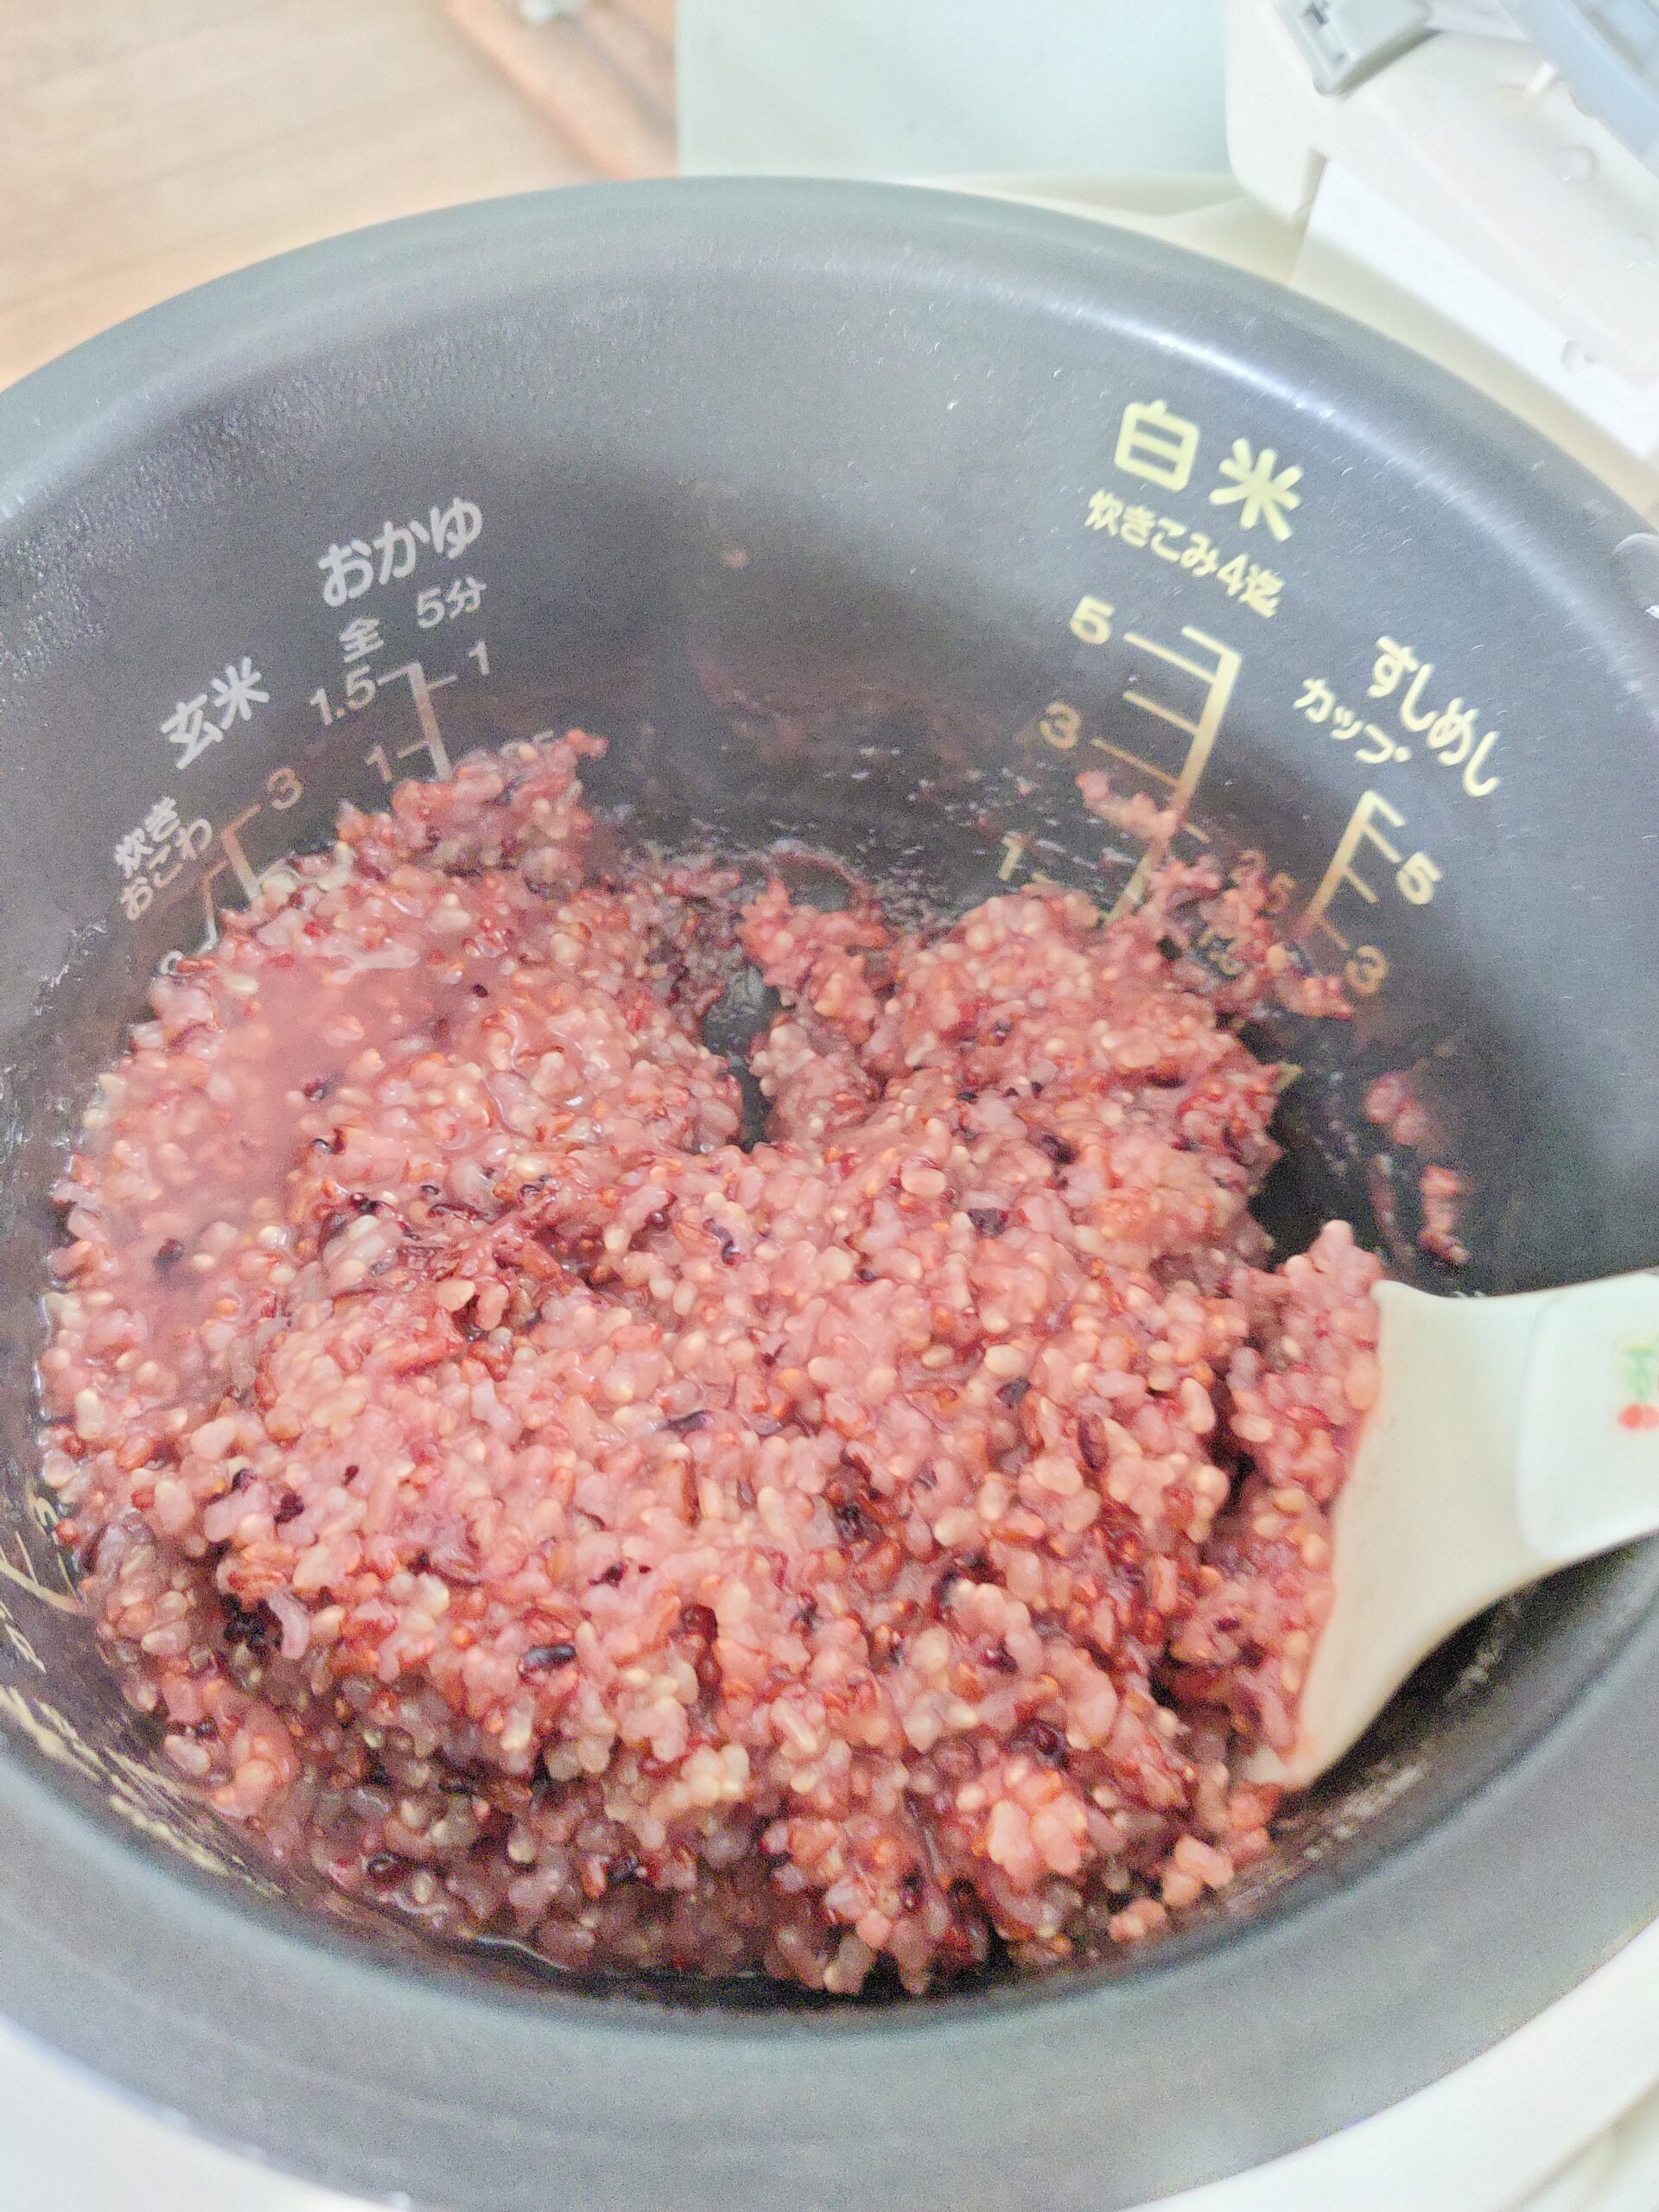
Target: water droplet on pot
{"type": "Point", "coordinates": [1636, 561]}
{"type": "Point", "coordinates": [1577, 166]}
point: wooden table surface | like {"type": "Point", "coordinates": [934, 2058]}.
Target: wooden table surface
{"type": "Point", "coordinates": [146, 145]}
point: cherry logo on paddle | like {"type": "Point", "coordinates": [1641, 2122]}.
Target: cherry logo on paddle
{"type": "Point", "coordinates": [1638, 1367]}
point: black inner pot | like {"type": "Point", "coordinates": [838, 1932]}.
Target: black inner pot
{"type": "Point", "coordinates": [864, 518]}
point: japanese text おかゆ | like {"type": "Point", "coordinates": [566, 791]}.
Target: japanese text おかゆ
{"type": "Point", "coordinates": [357, 564]}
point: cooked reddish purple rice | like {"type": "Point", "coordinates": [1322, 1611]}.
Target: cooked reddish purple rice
{"type": "Point", "coordinates": [536, 1511]}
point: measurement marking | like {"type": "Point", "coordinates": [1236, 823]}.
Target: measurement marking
{"type": "Point", "coordinates": [1217, 679]}
{"type": "Point", "coordinates": [241, 867]}
{"type": "Point", "coordinates": [1360, 831]}
{"type": "Point", "coordinates": [1134, 760]}
{"type": "Point", "coordinates": [360, 687]}
{"type": "Point", "coordinates": [1059, 726]}
{"type": "Point", "coordinates": [1161, 775]}
{"type": "Point", "coordinates": [421, 688]}
{"type": "Point", "coordinates": [55, 1599]}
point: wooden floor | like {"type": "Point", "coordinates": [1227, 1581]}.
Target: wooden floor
{"type": "Point", "coordinates": [148, 144]}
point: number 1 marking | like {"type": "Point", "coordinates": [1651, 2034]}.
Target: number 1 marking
{"type": "Point", "coordinates": [421, 688]}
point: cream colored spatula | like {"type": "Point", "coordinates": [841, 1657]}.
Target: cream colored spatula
{"type": "Point", "coordinates": [1511, 1437]}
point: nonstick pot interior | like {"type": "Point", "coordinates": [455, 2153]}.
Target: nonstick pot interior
{"type": "Point", "coordinates": [865, 518]}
